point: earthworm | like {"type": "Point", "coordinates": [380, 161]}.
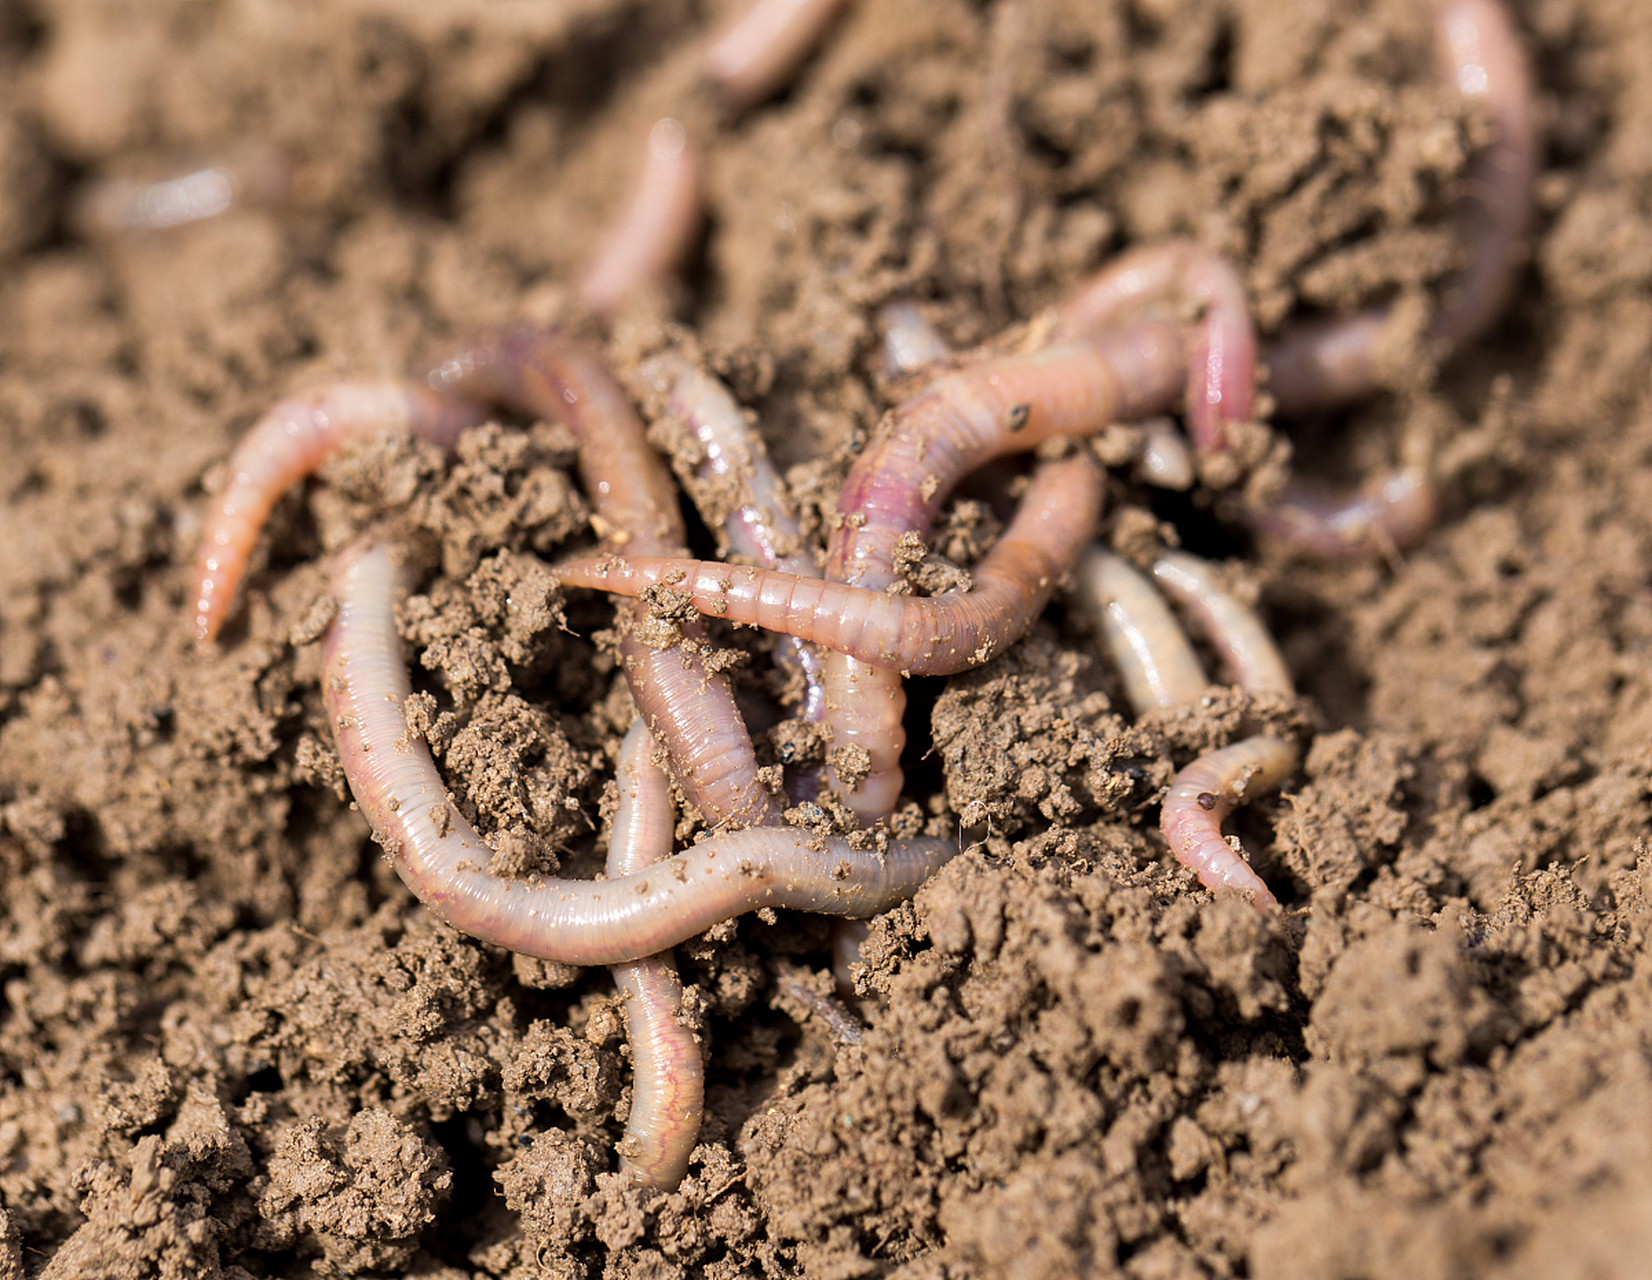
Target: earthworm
{"type": "Point", "coordinates": [442, 859]}
{"type": "Point", "coordinates": [289, 443]}
{"type": "Point", "coordinates": [668, 1089]}
{"type": "Point", "coordinates": [1205, 792]}
{"type": "Point", "coordinates": [1393, 516]}
{"type": "Point", "coordinates": [910, 342]}
{"type": "Point", "coordinates": [793, 986]}
{"type": "Point", "coordinates": [1141, 635]}
{"type": "Point", "coordinates": [1324, 364]}
{"type": "Point", "coordinates": [739, 494]}
{"type": "Point", "coordinates": [896, 486]}
{"type": "Point", "coordinates": [261, 177]}
{"type": "Point", "coordinates": [929, 636]}
{"type": "Point", "coordinates": [1164, 461]}
{"type": "Point", "coordinates": [657, 225]}
{"type": "Point", "coordinates": [752, 58]}
{"type": "Point", "coordinates": [691, 712]}
{"type": "Point", "coordinates": [1221, 361]}
{"type": "Point", "coordinates": [1237, 634]}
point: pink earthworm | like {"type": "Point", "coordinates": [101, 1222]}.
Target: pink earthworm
{"type": "Point", "coordinates": [289, 443]}
{"type": "Point", "coordinates": [896, 486]}
{"type": "Point", "coordinates": [1324, 364]}
{"type": "Point", "coordinates": [930, 636]}
{"type": "Point", "coordinates": [1234, 630]}
{"type": "Point", "coordinates": [1392, 516]}
{"type": "Point", "coordinates": [443, 860]}
{"type": "Point", "coordinates": [752, 58]}
{"type": "Point", "coordinates": [1221, 361]}
{"type": "Point", "coordinates": [690, 711]}
{"type": "Point", "coordinates": [740, 495]}
{"type": "Point", "coordinates": [668, 1090]}
{"type": "Point", "coordinates": [910, 343]}
{"type": "Point", "coordinates": [1160, 670]}
{"type": "Point", "coordinates": [1206, 791]}
{"type": "Point", "coordinates": [1141, 635]}
{"type": "Point", "coordinates": [657, 225]}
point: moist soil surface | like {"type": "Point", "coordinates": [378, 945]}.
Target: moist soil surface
{"type": "Point", "coordinates": [231, 1044]}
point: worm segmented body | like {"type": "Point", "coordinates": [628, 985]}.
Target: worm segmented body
{"type": "Point", "coordinates": [289, 443]}
{"type": "Point", "coordinates": [739, 494]}
{"type": "Point", "coordinates": [1240, 639]}
{"type": "Point", "coordinates": [690, 711]}
{"type": "Point", "coordinates": [443, 860]}
{"type": "Point", "coordinates": [668, 1093]}
{"type": "Point", "coordinates": [1153, 656]}
{"type": "Point", "coordinates": [1221, 357]}
{"type": "Point", "coordinates": [1161, 671]}
{"type": "Point", "coordinates": [1204, 793]}
{"type": "Point", "coordinates": [1393, 514]}
{"type": "Point", "coordinates": [896, 486]}
{"type": "Point", "coordinates": [934, 636]}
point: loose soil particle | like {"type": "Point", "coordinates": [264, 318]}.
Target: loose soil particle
{"type": "Point", "coordinates": [231, 1045]}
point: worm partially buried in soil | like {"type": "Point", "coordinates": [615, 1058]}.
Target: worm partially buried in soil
{"type": "Point", "coordinates": [1113, 360]}
{"type": "Point", "coordinates": [444, 861]}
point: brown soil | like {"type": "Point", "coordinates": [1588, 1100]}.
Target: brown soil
{"type": "Point", "coordinates": [231, 1044]}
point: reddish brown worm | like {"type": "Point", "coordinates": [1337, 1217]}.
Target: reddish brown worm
{"type": "Point", "coordinates": [752, 58]}
{"type": "Point", "coordinates": [541, 372]}
{"type": "Point", "coordinates": [690, 711]}
{"type": "Point", "coordinates": [739, 494]}
{"type": "Point", "coordinates": [915, 636]}
{"type": "Point", "coordinates": [289, 443]}
{"type": "Point", "coordinates": [657, 226]}
{"type": "Point", "coordinates": [668, 1089]}
{"type": "Point", "coordinates": [1141, 635]}
{"type": "Point", "coordinates": [1324, 364]}
{"type": "Point", "coordinates": [443, 860]}
{"type": "Point", "coordinates": [896, 486]}
{"type": "Point", "coordinates": [1221, 357]}
{"type": "Point", "coordinates": [910, 344]}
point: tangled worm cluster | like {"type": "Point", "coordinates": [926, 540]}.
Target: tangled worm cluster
{"type": "Point", "coordinates": [1164, 328]}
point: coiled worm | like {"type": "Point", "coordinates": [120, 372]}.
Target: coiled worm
{"type": "Point", "coordinates": [443, 860]}
{"type": "Point", "coordinates": [690, 711]}
{"type": "Point", "coordinates": [916, 636]}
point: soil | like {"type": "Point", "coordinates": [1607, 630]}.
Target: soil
{"type": "Point", "coordinates": [231, 1043]}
